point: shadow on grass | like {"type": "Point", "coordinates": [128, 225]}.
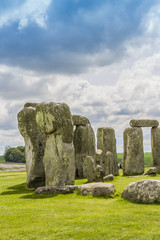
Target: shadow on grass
{"type": "Point", "coordinates": [18, 189]}
{"type": "Point", "coordinates": [29, 193]}
{"type": "Point", "coordinates": [33, 196]}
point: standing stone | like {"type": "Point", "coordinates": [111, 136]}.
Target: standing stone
{"type": "Point", "coordinates": [133, 156]}
{"type": "Point", "coordinates": [99, 173]}
{"type": "Point", "coordinates": [34, 146]}
{"type": "Point", "coordinates": [90, 169]}
{"type": "Point", "coordinates": [155, 143]}
{"type": "Point", "coordinates": [106, 141]}
{"type": "Point", "coordinates": [99, 157]}
{"type": "Point", "coordinates": [110, 165]}
{"type": "Point", "coordinates": [84, 143]}
{"type": "Point", "coordinates": [54, 119]}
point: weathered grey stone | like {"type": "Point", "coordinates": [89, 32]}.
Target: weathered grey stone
{"type": "Point", "coordinates": [80, 120]}
{"type": "Point", "coordinates": [97, 189]}
{"type": "Point", "coordinates": [84, 143]}
{"type": "Point", "coordinates": [151, 171]}
{"type": "Point", "coordinates": [110, 164]}
{"type": "Point", "coordinates": [145, 191]}
{"type": "Point", "coordinates": [29, 104]}
{"type": "Point", "coordinates": [34, 147]}
{"type": "Point", "coordinates": [155, 143]}
{"type": "Point", "coordinates": [144, 123]}
{"type": "Point", "coordinates": [99, 173]}
{"type": "Point", "coordinates": [106, 141]}
{"type": "Point", "coordinates": [91, 176]}
{"type": "Point", "coordinates": [55, 120]}
{"type": "Point", "coordinates": [133, 156]}
{"type": "Point", "coordinates": [99, 157]}
{"type": "Point", "coordinates": [56, 189]}
{"type": "Point", "coordinates": [109, 177]}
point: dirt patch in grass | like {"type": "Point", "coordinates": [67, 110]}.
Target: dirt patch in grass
{"type": "Point", "coordinates": [12, 167]}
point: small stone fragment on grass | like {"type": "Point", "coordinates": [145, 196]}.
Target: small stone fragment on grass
{"type": "Point", "coordinates": [56, 189]}
{"type": "Point", "coordinates": [97, 189]}
{"type": "Point", "coordinates": [151, 171]}
{"type": "Point", "coordinates": [108, 177]}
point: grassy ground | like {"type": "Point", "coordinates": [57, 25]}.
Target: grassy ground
{"type": "Point", "coordinates": [2, 159]}
{"type": "Point", "coordinates": [147, 158]}
{"type": "Point", "coordinates": [25, 216]}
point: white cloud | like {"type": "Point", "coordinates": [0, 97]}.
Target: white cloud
{"type": "Point", "coordinates": [30, 11]}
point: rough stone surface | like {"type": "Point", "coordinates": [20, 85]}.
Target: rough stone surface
{"type": "Point", "coordinates": [106, 141]}
{"type": "Point", "coordinates": [144, 123]}
{"type": "Point", "coordinates": [110, 166]}
{"type": "Point", "coordinates": [97, 189]}
{"type": "Point", "coordinates": [145, 191]}
{"type": "Point", "coordinates": [99, 173]}
{"type": "Point", "coordinates": [155, 143]}
{"type": "Point", "coordinates": [29, 104]}
{"type": "Point", "coordinates": [80, 120]}
{"type": "Point", "coordinates": [151, 171]}
{"type": "Point", "coordinates": [54, 119]}
{"type": "Point", "coordinates": [109, 177]}
{"type": "Point", "coordinates": [34, 146]}
{"type": "Point", "coordinates": [99, 157]}
{"type": "Point", "coordinates": [84, 143]}
{"type": "Point", "coordinates": [91, 176]}
{"type": "Point", "coordinates": [133, 156]}
{"type": "Point", "coordinates": [56, 190]}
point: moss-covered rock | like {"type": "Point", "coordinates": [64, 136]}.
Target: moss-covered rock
{"type": "Point", "coordinates": [144, 191]}
{"type": "Point", "coordinates": [80, 120]}
{"type": "Point", "coordinates": [106, 142]}
{"type": "Point", "coordinates": [133, 156]}
{"type": "Point", "coordinates": [54, 119]}
{"type": "Point", "coordinates": [84, 143]}
{"type": "Point", "coordinates": [34, 146]}
{"type": "Point", "coordinates": [155, 143]}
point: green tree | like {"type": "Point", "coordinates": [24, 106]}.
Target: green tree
{"type": "Point", "coordinates": [15, 155]}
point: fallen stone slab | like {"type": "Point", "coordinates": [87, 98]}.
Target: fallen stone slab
{"type": "Point", "coordinates": [80, 120]}
{"type": "Point", "coordinates": [151, 171]}
{"type": "Point", "coordinates": [56, 189]}
{"type": "Point", "coordinates": [96, 189]}
{"type": "Point", "coordinates": [144, 191]}
{"type": "Point", "coordinates": [108, 177]}
{"type": "Point", "coordinates": [144, 123]}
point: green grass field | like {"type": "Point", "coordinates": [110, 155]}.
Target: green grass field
{"type": "Point", "coordinates": [2, 159]}
{"type": "Point", "coordinates": [24, 216]}
{"type": "Point", "coordinates": [147, 158]}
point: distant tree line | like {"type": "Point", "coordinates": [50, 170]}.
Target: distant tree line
{"type": "Point", "coordinates": [14, 154]}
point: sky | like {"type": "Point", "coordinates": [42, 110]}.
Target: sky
{"type": "Point", "coordinates": [100, 57]}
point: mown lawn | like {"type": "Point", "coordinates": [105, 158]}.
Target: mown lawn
{"type": "Point", "coordinates": [2, 159]}
{"type": "Point", "coordinates": [147, 158]}
{"type": "Point", "coordinates": [25, 216]}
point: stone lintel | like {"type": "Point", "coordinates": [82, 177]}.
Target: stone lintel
{"type": "Point", "coordinates": [80, 120]}
{"type": "Point", "coordinates": [144, 123]}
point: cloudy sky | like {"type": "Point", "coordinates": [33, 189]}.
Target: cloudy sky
{"type": "Point", "coordinates": [101, 57]}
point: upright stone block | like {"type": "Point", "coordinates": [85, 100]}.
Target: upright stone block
{"type": "Point", "coordinates": [91, 176]}
{"type": "Point", "coordinates": [99, 157]}
{"type": "Point", "coordinates": [84, 143]}
{"type": "Point", "coordinates": [106, 141]}
{"type": "Point", "coordinates": [133, 156]}
{"type": "Point", "coordinates": [155, 143]}
{"type": "Point", "coordinates": [54, 119]}
{"type": "Point", "coordinates": [34, 146]}
{"type": "Point", "coordinates": [110, 166]}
